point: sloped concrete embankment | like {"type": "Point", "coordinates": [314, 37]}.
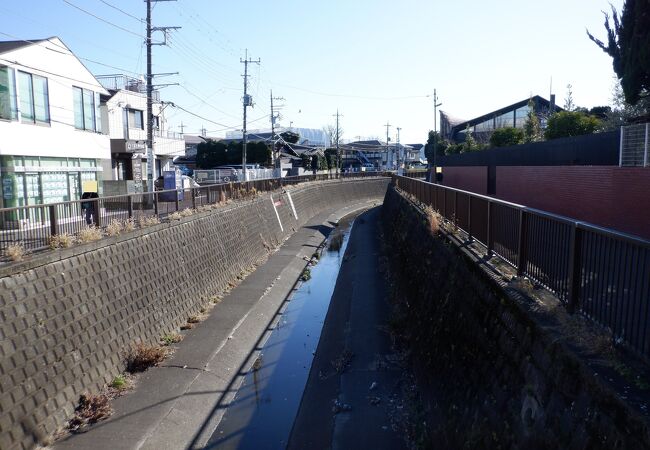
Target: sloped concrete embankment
{"type": "Point", "coordinates": [69, 316]}
{"type": "Point", "coordinates": [493, 374]}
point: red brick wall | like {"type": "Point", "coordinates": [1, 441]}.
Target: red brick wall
{"type": "Point", "coordinates": [612, 197]}
{"type": "Point", "coordinates": [473, 179]}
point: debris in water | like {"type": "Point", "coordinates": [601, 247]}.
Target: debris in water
{"type": "Point", "coordinates": [258, 363]}
{"type": "Point", "coordinates": [340, 407]}
{"type": "Point", "coordinates": [374, 400]}
{"type": "Point", "coordinates": [373, 386]}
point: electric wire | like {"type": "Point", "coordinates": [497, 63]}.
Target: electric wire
{"type": "Point", "coordinates": [103, 20]}
{"type": "Point", "coordinates": [121, 10]}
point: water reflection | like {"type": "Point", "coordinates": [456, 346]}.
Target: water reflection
{"type": "Point", "coordinates": [266, 404]}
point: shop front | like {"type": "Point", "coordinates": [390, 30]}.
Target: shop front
{"type": "Point", "coordinates": [33, 180]}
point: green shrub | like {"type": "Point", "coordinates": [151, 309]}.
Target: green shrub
{"type": "Point", "coordinates": [503, 137]}
{"type": "Point", "coordinates": [570, 123]}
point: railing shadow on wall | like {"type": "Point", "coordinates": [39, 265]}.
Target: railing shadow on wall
{"type": "Point", "coordinates": [599, 272]}
{"type": "Point", "coordinates": [31, 227]}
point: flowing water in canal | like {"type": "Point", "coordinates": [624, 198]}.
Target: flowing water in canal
{"type": "Point", "coordinates": [263, 411]}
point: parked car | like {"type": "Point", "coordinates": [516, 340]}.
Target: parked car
{"type": "Point", "coordinates": [189, 182]}
{"type": "Point", "coordinates": [227, 174]}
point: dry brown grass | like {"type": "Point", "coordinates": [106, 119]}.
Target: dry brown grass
{"type": "Point", "coordinates": [114, 228]}
{"type": "Point", "coordinates": [175, 216]}
{"type": "Point", "coordinates": [146, 221]}
{"type": "Point", "coordinates": [187, 212]}
{"type": "Point", "coordinates": [143, 356]}
{"type": "Point", "coordinates": [89, 234]}
{"type": "Point", "coordinates": [63, 240]}
{"type": "Point", "coordinates": [171, 338]}
{"type": "Point", "coordinates": [434, 219]}
{"type": "Point", "coordinates": [128, 225]}
{"type": "Point", "coordinates": [15, 252]}
{"type": "Point", "coordinates": [91, 409]}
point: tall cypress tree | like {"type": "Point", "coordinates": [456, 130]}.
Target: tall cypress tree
{"type": "Point", "coordinates": [628, 43]}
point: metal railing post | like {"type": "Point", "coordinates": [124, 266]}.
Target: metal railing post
{"type": "Point", "coordinates": [444, 203]}
{"type": "Point", "coordinates": [435, 197]}
{"type": "Point", "coordinates": [177, 205]}
{"type": "Point", "coordinates": [469, 217]}
{"type": "Point", "coordinates": [193, 191]}
{"type": "Point", "coordinates": [129, 206]}
{"type": "Point", "coordinates": [620, 148]}
{"type": "Point", "coordinates": [521, 247]}
{"type": "Point", "coordinates": [54, 220]}
{"type": "Point", "coordinates": [575, 267]}
{"type": "Point", "coordinates": [455, 207]}
{"type": "Point", "coordinates": [645, 146]}
{"type": "Point", "coordinates": [97, 214]}
{"type": "Point", "coordinates": [155, 203]}
{"type": "Point", "coordinates": [490, 238]}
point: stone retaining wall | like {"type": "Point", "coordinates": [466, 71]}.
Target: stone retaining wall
{"type": "Point", "coordinates": [69, 316]}
{"type": "Point", "coordinates": [496, 371]}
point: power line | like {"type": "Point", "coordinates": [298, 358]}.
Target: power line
{"type": "Point", "coordinates": [103, 20]}
{"type": "Point", "coordinates": [351, 96]}
{"type": "Point", "coordinates": [17, 63]}
{"type": "Point", "coordinates": [206, 103]}
{"type": "Point", "coordinates": [198, 116]}
{"type": "Point", "coordinates": [121, 10]}
{"type": "Point", "coordinates": [234, 127]}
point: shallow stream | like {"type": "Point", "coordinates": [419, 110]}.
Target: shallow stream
{"type": "Point", "coordinates": [265, 406]}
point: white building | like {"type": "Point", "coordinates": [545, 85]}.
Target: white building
{"type": "Point", "coordinates": [50, 130]}
{"type": "Point", "coordinates": [124, 116]}
{"type": "Point", "coordinates": [308, 136]}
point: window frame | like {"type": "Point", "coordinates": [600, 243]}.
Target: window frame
{"type": "Point", "coordinates": [92, 107]}
{"type": "Point", "coordinates": [12, 94]}
{"type": "Point", "coordinates": [32, 100]}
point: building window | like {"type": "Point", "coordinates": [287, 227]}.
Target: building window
{"type": "Point", "coordinates": [521, 115]}
{"type": "Point", "coordinates": [8, 106]}
{"type": "Point", "coordinates": [85, 107]}
{"type": "Point", "coordinates": [506, 120]}
{"type": "Point", "coordinates": [135, 119]}
{"type": "Point", "coordinates": [34, 101]}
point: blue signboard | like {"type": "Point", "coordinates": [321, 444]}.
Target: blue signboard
{"type": "Point", "coordinates": [172, 181]}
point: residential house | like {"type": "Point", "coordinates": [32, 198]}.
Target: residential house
{"type": "Point", "coordinates": [124, 115]}
{"type": "Point", "coordinates": [50, 132]}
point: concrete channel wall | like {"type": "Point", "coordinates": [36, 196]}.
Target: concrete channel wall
{"type": "Point", "coordinates": [69, 316]}
{"type": "Point", "coordinates": [498, 370]}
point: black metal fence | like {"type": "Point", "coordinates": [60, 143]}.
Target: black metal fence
{"type": "Point", "coordinates": [599, 272]}
{"type": "Point", "coordinates": [599, 149]}
{"type": "Point", "coordinates": [31, 227]}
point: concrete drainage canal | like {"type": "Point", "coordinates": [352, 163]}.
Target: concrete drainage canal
{"type": "Point", "coordinates": [266, 404]}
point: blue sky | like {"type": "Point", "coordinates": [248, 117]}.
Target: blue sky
{"type": "Point", "coordinates": [376, 61]}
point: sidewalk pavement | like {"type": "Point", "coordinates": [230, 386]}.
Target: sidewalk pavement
{"type": "Point", "coordinates": [179, 404]}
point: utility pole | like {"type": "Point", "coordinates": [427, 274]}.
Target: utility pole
{"type": "Point", "coordinates": [338, 148]}
{"type": "Point", "coordinates": [399, 167]}
{"type": "Point", "coordinates": [274, 161]}
{"type": "Point", "coordinates": [150, 29]}
{"type": "Point", "coordinates": [435, 135]}
{"type": "Point", "coordinates": [247, 101]}
{"type": "Point", "coordinates": [388, 125]}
